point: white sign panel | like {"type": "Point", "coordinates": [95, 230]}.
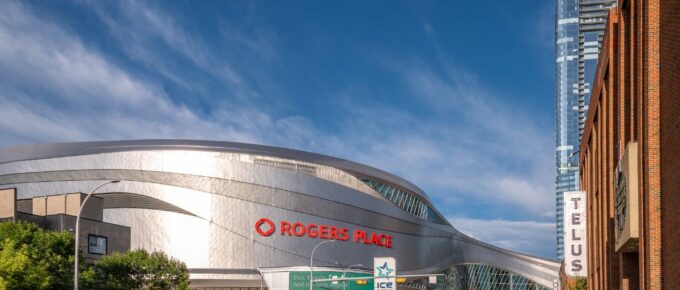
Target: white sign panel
{"type": "Point", "coordinates": [575, 252]}
{"type": "Point", "coordinates": [382, 268]}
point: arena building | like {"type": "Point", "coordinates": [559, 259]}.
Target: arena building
{"type": "Point", "coordinates": [240, 215]}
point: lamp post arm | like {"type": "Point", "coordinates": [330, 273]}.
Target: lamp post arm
{"type": "Point", "coordinates": [82, 205]}
{"type": "Point", "coordinates": [311, 263]}
{"type": "Point", "coordinates": [344, 273]}
{"type": "Point", "coordinates": [77, 231]}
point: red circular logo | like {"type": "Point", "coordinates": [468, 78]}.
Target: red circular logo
{"type": "Point", "coordinates": [265, 233]}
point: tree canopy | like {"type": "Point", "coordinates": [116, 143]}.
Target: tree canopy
{"type": "Point", "coordinates": [138, 269]}
{"type": "Point", "coordinates": [33, 258]}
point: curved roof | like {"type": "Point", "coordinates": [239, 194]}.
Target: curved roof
{"type": "Point", "coordinates": [53, 150]}
{"type": "Point", "coordinates": [489, 253]}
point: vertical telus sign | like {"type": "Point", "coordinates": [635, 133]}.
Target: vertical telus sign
{"type": "Point", "coordinates": [575, 254]}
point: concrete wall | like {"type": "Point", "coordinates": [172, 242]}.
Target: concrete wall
{"type": "Point", "coordinates": [69, 204]}
{"type": "Point", "coordinates": [8, 203]}
{"type": "Point", "coordinates": [118, 236]}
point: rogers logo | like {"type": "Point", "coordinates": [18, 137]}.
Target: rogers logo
{"type": "Point", "coordinates": [268, 232]}
{"type": "Point", "coordinates": [322, 231]}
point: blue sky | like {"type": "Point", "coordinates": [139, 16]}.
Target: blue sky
{"type": "Point", "coordinates": [455, 96]}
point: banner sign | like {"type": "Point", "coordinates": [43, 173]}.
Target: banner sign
{"type": "Point", "coordinates": [575, 254]}
{"type": "Point", "coordinates": [265, 227]}
{"type": "Point", "coordinates": [382, 268]}
{"type": "Point", "coordinates": [300, 281]}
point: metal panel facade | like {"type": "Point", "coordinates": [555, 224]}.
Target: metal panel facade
{"type": "Point", "coordinates": [199, 201]}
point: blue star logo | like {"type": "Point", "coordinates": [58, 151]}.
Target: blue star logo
{"type": "Point", "coordinates": [384, 270]}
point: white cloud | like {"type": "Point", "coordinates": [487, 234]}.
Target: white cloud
{"type": "Point", "coordinates": [492, 153]}
{"type": "Point", "coordinates": [521, 236]}
{"type": "Point", "coordinates": [70, 92]}
{"type": "Point", "coordinates": [55, 88]}
{"type": "Point", "coordinates": [141, 27]}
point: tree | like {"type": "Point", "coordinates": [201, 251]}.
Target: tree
{"type": "Point", "coordinates": [578, 283]}
{"type": "Point", "coordinates": [581, 284]}
{"type": "Point", "coordinates": [32, 258]}
{"type": "Point", "coordinates": [138, 269]}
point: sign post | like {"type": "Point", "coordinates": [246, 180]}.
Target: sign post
{"type": "Point", "coordinates": [384, 273]}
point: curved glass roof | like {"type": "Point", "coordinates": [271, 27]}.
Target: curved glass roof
{"type": "Point", "coordinates": [480, 276]}
{"type": "Point", "coordinates": [406, 201]}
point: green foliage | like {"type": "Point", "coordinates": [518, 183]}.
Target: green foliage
{"type": "Point", "coordinates": [31, 258]}
{"type": "Point", "coordinates": [578, 284]}
{"type": "Point", "coordinates": [138, 270]}
{"type": "Point", "coordinates": [581, 284]}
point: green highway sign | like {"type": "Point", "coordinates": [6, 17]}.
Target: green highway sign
{"type": "Point", "coordinates": [300, 281]}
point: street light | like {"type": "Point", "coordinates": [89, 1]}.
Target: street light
{"type": "Point", "coordinates": [344, 282]}
{"type": "Point", "coordinates": [75, 273]}
{"type": "Point", "coordinates": [572, 154]}
{"type": "Point", "coordinates": [311, 263]}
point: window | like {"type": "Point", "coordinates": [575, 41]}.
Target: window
{"type": "Point", "coordinates": [406, 201]}
{"type": "Point", "coordinates": [96, 244]}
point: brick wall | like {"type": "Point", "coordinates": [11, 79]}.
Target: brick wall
{"type": "Point", "coordinates": [670, 141]}
{"type": "Point", "coordinates": [636, 98]}
{"type": "Point", "coordinates": [599, 154]}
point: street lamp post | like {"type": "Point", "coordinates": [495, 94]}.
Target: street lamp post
{"type": "Point", "coordinates": [311, 263]}
{"type": "Point", "coordinates": [75, 268]}
{"type": "Point", "coordinates": [344, 272]}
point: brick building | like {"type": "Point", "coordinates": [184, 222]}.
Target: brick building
{"type": "Point", "coordinates": [630, 152]}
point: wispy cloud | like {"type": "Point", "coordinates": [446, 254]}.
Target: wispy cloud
{"type": "Point", "coordinates": [55, 87]}
{"type": "Point", "coordinates": [57, 82]}
{"type": "Point", "coordinates": [492, 151]}
{"type": "Point", "coordinates": [521, 236]}
{"type": "Point", "coordinates": [140, 28]}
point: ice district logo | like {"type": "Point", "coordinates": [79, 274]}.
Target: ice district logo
{"type": "Point", "coordinates": [384, 270]}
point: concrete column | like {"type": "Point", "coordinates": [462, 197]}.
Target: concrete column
{"type": "Point", "coordinates": [56, 204]}
{"type": "Point", "coordinates": [93, 210]}
{"type": "Point", "coordinates": [8, 203]}
{"type": "Point", "coordinates": [39, 206]}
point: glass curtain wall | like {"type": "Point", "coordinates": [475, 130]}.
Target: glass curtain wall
{"type": "Point", "coordinates": [483, 277]}
{"type": "Point", "coordinates": [578, 34]}
{"type": "Point", "coordinates": [406, 201]}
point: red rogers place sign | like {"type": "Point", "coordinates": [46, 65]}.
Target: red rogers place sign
{"type": "Point", "coordinates": [265, 227]}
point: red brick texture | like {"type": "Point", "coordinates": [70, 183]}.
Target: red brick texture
{"type": "Point", "coordinates": [669, 90]}
{"type": "Point", "coordinates": [635, 98]}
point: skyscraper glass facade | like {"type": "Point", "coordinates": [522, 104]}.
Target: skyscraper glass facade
{"type": "Point", "coordinates": [578, 35]}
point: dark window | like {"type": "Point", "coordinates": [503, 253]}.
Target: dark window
{"type": "Point", "coordinates": [96, 244]}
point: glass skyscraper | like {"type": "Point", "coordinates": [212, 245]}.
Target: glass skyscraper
{"type": "Point", "coordinates": [578, 35]}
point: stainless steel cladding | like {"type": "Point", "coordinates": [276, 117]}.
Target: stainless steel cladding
{"type": "Point", "coordinates": [200, 201]}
